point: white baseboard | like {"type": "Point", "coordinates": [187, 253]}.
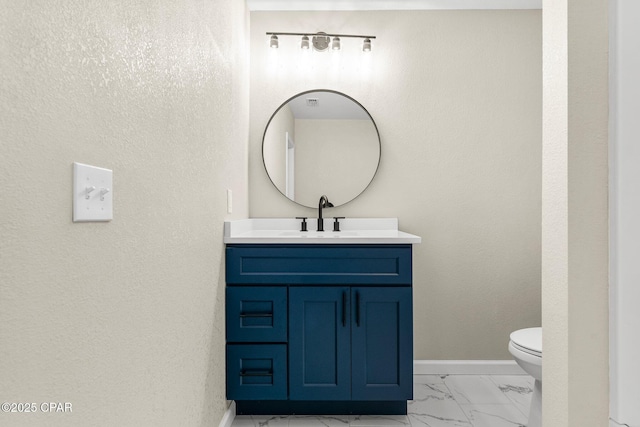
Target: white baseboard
{"type": "Point", "coordinates": [467, 367]}
{"type": "Point", "coordinates": [229, 415]}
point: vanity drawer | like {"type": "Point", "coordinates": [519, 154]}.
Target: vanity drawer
{"type": "Point", "coordinates": [256, 372]}
{"type": "Point", "coordinates": [256, 314]}
{"type": "Point", "coordinates": [319, 264]}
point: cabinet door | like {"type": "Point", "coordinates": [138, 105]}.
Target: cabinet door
{"type": "Point", "coordinates": [382, 344]}
{"type": "Point", "coordinates": [319, 343]}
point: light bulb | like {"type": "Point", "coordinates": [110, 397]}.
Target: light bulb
{"type": "Point", "coordinates": [273, 42]}
{"type": "Point", "coordinates": [366, 45]}
{"type": "Point", "coordinates": [335, 45]}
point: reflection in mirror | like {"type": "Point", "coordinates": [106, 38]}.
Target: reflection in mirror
{"type": "Point", "coordinates": [321, 142]}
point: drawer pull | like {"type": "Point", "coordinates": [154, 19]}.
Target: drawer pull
{"type": "Point", "coordinates": [344, 308]}
{"type": "Point", "coordinates": [256, 314]}
{"type": "Point", "coordinates": [256, 373]}
{"type": "Point", "coordinates": [357, 308]}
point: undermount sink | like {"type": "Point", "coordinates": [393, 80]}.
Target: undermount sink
{"type": "Point", "coordinates": [287, 230]}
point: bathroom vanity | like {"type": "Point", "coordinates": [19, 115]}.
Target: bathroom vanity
{"type": "Point", "coordinates": [319, 322]}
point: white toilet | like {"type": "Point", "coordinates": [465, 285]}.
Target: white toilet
{"type": "Point", "coordinates": [526, 348]}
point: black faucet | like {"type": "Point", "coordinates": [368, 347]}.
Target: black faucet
{"type": "Point", "coordinates": [323, 203]}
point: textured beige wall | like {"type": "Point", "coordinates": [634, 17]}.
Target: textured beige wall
{"type": "Point", "coordinates": [350, 147]}
{"type": "Point", "coordinates": [575, 214]}
{"type": "Point", "coordinates": [125, 320]}
{"type": "Point", "coordinates": [457, 98]}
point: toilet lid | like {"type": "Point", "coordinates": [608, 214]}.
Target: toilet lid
{"type": "Point", "coordinates": [529, 339]}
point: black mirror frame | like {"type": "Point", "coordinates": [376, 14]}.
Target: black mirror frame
{"type": "Point", "coordinates": [338, 93]}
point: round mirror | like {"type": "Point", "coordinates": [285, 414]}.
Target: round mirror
{"type": "Point", "coordinates": [321, 142]}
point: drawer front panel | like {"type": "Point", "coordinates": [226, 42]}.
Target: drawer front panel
{"type": "Point", "coordinates": [256, 314]}
{"type": "Point", "coordinates": [319, 264]}
{"type": "Point", "coordinates": [256, 372]}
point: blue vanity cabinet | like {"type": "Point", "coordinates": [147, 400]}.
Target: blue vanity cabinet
{"type": "Point", "coordinates": [342, 314]}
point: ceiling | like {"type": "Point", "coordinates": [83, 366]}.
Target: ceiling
{"type": "Point", "coordinates": [310, 5]}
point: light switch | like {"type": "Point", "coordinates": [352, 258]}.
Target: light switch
{"type": "Point", "coordinates": [229, 202]}
{"type": "Point", "coordinates": [92, 193]}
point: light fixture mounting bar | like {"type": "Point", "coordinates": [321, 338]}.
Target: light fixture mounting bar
{"type": "Point", "coordinates": [320, 34]}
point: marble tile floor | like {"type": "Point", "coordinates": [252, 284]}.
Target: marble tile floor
{"type": "Point", "coordinates": [439, 401]}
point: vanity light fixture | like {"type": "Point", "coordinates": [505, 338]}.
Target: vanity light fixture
{"type": "Point", "coordinates": [321, 41]}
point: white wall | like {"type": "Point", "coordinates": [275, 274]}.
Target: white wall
{"type": "Point", "coordinates": [124, 320]}
{"type": "Point", "coordinates": [624, 210]}
{"type": "Point", "coordinates": [575, 214]}
{"type": "Point", "coordinates": [456, 96]}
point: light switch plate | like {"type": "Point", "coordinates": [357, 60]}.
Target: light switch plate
{"type": "Point", "coordinates": [92, 193]}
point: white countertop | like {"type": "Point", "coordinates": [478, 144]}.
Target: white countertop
{"type": "Point", "coordinates": [287, 230]}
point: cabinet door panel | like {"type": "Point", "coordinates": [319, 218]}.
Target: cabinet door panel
{"type": "Point", "coordinates": [319, 343]}
{"type": "Point", "coordinates": [382, 344]}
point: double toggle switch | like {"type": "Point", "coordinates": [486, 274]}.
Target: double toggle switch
{"type": "Point", "coordinates": [92, 193]}
{"type": "Point", "coordinates": [102, 192]}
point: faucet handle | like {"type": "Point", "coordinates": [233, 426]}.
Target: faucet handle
{"type": "Point", "coordinates": [303, 225]}
{"type": "Point", "coordinates": [336, 223]}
